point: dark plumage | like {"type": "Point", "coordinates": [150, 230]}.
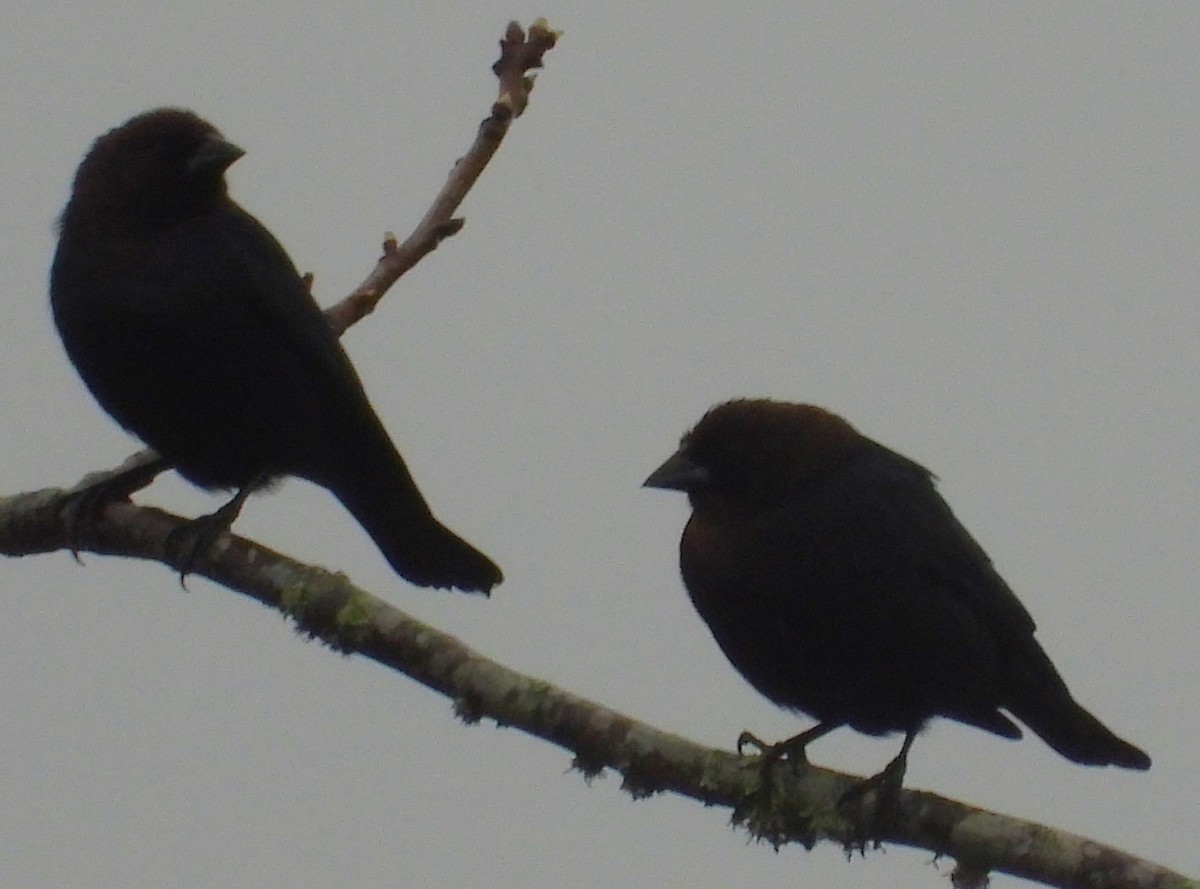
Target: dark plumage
{"type": "Point", "coordinates": [191, 326]}
{"type": "Point", "coordinates": [838, 582]}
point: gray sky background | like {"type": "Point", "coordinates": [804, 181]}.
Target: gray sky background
{"type": "Point", "coordinates": [970, 228]}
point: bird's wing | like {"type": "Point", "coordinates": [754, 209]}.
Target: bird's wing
{"type": "Point", "coordinates": [266, 284]}
{"type": "Point", "coordinates": [920, 530]}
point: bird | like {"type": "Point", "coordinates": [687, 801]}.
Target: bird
{"type": "Point", "coordinates": [840, 584]}
{"type": "Point", "coordinates": [192, 328]}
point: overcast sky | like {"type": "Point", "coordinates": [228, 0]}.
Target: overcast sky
{"type": "Point", "coordinates": [970, 228]}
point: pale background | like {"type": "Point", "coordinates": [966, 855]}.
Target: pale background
{"type": "Point", "coordinates": [970, 228]}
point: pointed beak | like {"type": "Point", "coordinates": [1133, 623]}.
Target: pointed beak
{"type": "Point", "coordinates": [214, 156]}
{"type": "Point", "coordinates": [679, 473]}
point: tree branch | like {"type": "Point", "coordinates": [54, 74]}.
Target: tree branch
{"type": "Point", "coordinates": [519, 54]}
{"type": "Point", "coordinates": [778, 806]}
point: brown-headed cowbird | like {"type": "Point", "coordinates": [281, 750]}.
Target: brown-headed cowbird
{"type": "Point", "coordinates": [191, 326]}
{"type": "Point", "coordinates": [838, 582]}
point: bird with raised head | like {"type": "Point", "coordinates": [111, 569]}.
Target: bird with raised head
{"type": "Point", "coordinates": [193, 329]}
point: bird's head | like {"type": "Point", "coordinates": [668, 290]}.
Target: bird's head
{"type": "Point", "coordinates": [755, 453]}
{"type": "Point", "coordinates": [156, 168]}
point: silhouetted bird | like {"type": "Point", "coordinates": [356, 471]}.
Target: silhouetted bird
{"type": "Point", "coordinates": [191, 326]}
{"type": "Point", "coordinates": [838, 582]}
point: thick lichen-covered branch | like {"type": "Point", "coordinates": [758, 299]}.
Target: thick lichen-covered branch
{"type": "Point", "coordinates": [778, 806]}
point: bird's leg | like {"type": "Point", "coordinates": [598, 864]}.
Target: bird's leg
{"type": "Point", "coordinates": [189, 542]}
{"type": "Point", "coordinates": [86, 500]}
{"type": "Point", "coordinates": [792, 749]}
{"type": "Point", "coordinates": [887, 785]}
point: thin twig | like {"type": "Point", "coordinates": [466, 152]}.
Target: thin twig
{"type": "Point", "coordinates": [519, 53]}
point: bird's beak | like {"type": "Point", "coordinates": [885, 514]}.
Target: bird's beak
{"type": "Point", "coordinates": [214, 156]}
{"type": "Point", "coordinates": [679, 473]}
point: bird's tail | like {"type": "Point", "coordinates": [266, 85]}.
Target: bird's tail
{"type": "Point", "coordinates": [1040, 699]}
{"type": "Point", "coordinates": [381, 494]}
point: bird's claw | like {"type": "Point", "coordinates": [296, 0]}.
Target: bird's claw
{"type": "Point", "coordinates": [82, 508]}
{"type": "Point", "coordinates": [85, 502]}
{"type": "Point", "coordinates": [887, 785]}
{"type": "Point", "coordinates": [746, 739]}
{"type": "Point", "coordinates": [188, 543]}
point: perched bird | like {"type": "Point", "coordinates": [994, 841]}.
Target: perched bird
{"type": "Point", "coordinates": [838, 582]}
{"type": "Point", "coordinates": [191, 326]}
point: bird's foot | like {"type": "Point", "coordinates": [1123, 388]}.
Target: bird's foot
{"type": "Point", "coordinates": [189, 542]}
{"type": "Point", "coordinates": [81, 509]}
{"type": "Point", "coordinates": [792, 749]}
{"type": "Point", "coordinates": [870, 822]}
{"type": "Point", "coordinates": [748, 739]}
{"type": "Point", "coordinates": [86, 501]}
{"type": "Point", "coordinates": [887, 785]}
